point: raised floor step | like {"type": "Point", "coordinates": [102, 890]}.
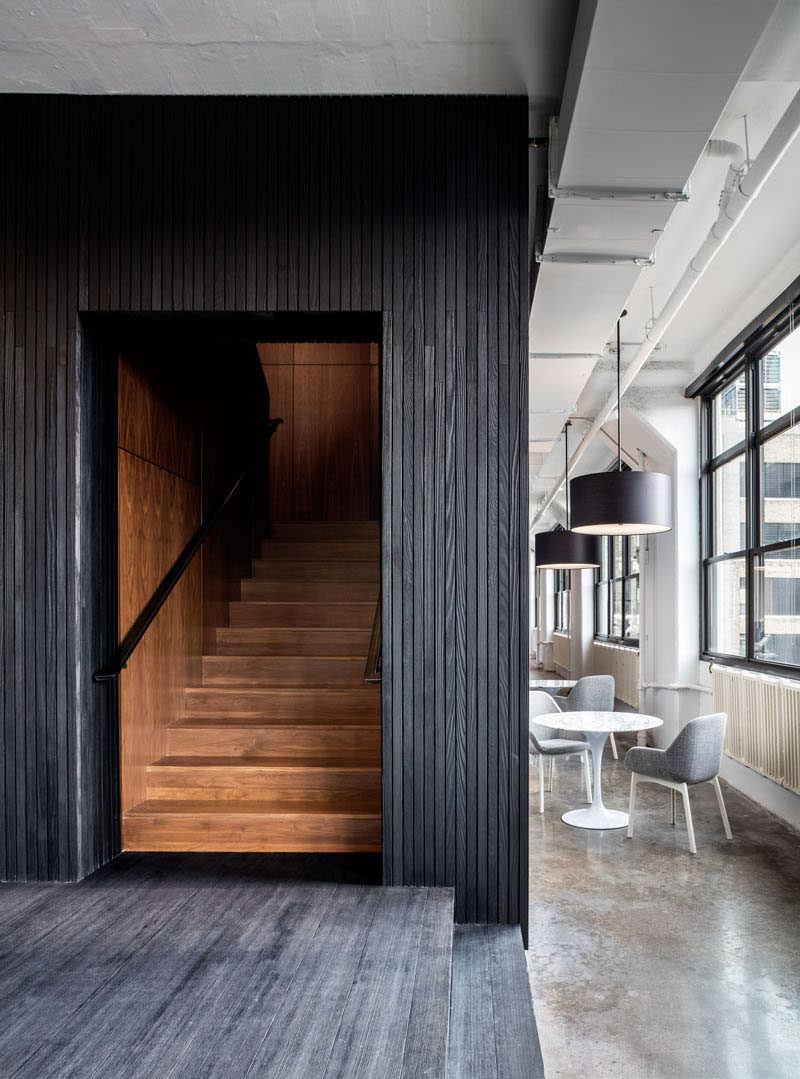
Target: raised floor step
{"type": "Point", "coordinates": [292, 641]}
{"type": "Point", "coordinates": [346, 550]}
{"type": "Point", "coordinates": [304, 784]}
{"type": "Point", "coordinates": [281, 704]}
{"type": "Point", "coordinates": [278, 569]}
{"type": "Point", "coordinates": [222, 736]}
{"type": "Point", "coordinates": [310, 591]}
{"type": "Point", "coordinates": [325, 530]}
{"type": "Point", "coordinates": [320, 615]}
{"type": "Point", "coordinates": [282, 670]}
{"type": "Point", "coordinates": [492, 1024]}
{"type": "Point", "coordinates": [169, 825]}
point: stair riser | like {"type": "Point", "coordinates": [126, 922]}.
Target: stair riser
{"type": "Point", "coordinates": [301, 787]}
{"type": "Point", "coordinates": [230, 832]}
{"type": "Point", "coordinates": [307, 745]}
{"type": "Point", "coordinates": [292, 642]}
{"type": "Point", "coordinates": [361, 705]}
{"type": "Point", "coordinates": [325, 530]}
{"type": "Point", "coordinates": [281, 671]}
{"type": "Point", "coordinates": [327, 550]}
{"type": "Point", "coordinates": [302, 615]}
{"type": "Point", "coordinates": [310, 591]}
{"type": "Point", "coordinates": [266, 569]}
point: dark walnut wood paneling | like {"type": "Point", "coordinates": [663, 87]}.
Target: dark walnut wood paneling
{"type": "Point", "coordinates": [159, 500]}
{"type": "Point", "coordinates": [412, 207]}
{"type": "Point", "coordinates": [158, 513]}
{"type": "Point", "coordinates": [325, 460]}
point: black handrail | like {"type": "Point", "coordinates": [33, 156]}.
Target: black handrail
{"type": "Point", "coordinates": [373, 668]}
{"type": "Point", "coordinates": [128, 644]}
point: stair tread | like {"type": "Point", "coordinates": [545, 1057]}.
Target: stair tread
{"type": "Point", "coordinates": [344, 762]}
{"type": "Point", "coordinates": [327, 656]}
{"type": "Point", "coordinates": [248, 721]}
{"type": "Point", "coordinates": [303, 602]}
{"type": "Point", "coordinates": [318, 530]}
{"type": "Point", "coordinates": [291, 689]}
{"type": "Point", "coordinates": [298, 631]}
{"type": "Point", "coordinates": [314, 550]}
{"type": "Point", "coordinates": [186, 808]}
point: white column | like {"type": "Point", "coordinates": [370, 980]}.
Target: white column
{"type": "Point", "coordinates": [581, 622]}
{"type": "Point", "coordinates": [670, 574]}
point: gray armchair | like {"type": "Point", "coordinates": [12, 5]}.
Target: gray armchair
{"type": "Point", "coordinates": [543, 741]}
{"type": "Point", "coordinates": [694, 757]}
{"type": "Point", "coordinates": [595, 693]}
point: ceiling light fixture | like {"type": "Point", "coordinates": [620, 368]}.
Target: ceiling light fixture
{"type": "Point", "coordinates": [622, 503]}
{"type": "Point", "coordinates": [564, 549]}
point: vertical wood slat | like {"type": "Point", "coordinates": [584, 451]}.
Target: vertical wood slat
{"type": "Point", "coordinates": [412, 207]}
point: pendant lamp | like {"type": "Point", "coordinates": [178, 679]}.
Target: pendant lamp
{"type": "Point", "coordinates": [565, 549]}
{"type": "Point", "coordinates": [621, 503]}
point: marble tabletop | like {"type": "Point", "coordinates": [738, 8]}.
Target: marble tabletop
{"type": "Point", "coordinates": [552, 683]}
{"type": "Point", "coordinates": [604, 722]}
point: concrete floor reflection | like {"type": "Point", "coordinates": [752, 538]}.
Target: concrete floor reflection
{"type": "Point", "coordinates": [648, 961]}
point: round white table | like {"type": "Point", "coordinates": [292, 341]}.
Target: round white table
{"type": "Point", "coordinates": [597, 726]}
{"type": "Point", "coordinates": [551, 685]}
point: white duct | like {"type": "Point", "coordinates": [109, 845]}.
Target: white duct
{"type": "Point", "coordinates": [738, 192]}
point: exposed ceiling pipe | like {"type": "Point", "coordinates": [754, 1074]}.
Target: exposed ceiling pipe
{"type": "Point", "coordinates": [738, 192]}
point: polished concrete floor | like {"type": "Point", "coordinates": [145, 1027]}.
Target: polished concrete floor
{"type": "Point", "coordinates": [647, 961]}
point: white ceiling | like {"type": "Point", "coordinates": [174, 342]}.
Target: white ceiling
{"type": "Point", "coordinates": [646, 85]}
{"type": "Point", "coordinates": [286, 46]}
{"type": "Point", "coordinates": [758, 261]}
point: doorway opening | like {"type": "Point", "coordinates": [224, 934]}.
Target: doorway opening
{"type": "Point", "coordinates": [249, 709]}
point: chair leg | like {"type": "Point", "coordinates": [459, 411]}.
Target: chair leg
{"type": "Point", "coordinates": [631, 805]}
{"type": "Point", "coordinates": [613, 747]}
{"type": "Point", "coordinates": [541, 783]}
{"type": "Point", "coordinates": [550, 773]}
{"type": "Point", "coordinates": [587, 776]}
{"type": "Point", "coordinates": [722, 810]}
{"type": "Point", "coordinates": [672, 800]}
{"type": "Point", "coordinates": [688, 814]}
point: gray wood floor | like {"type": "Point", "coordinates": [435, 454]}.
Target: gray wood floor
{"type": "Point", "coordinates": [492, 1027]}
{"type": "Point", "coordinates": [225, 965]}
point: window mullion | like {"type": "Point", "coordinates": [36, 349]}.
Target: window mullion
{"type": "Point", "coordinates": [752, 500]}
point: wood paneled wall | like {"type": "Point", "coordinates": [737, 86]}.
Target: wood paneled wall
{"type": "Point", "coordinates": [413, 207]}
{"type": "Point", "coordinates": [325, 461]}
{"type": "Point", "coordinates": [159, 491]}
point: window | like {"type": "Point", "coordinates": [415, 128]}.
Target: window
{"type": "Point", "coordinates": [751, 497]}
{"type": "Point", "coordinates": [616, 590]}
{"type": "Point", "coordinates": [561, 584]}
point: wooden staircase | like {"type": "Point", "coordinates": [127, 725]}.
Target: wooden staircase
{"type": "Point", "coordinates": [279, 749]}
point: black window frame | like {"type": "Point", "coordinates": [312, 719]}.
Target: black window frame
{"type": "Point", "coordinates": [743, 357]}
{"type": "Point", "coordinates": [562, 585]}
{"type": "Point", "coordinates": [626, 578]}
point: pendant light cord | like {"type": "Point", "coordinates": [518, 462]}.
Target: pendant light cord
{"type": "Point", "coordinates": [619, 396]}
{"type": "Point", "coordinates": [567, 425]}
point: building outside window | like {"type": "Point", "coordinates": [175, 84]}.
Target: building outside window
{"type": "Point", "coordinates": [751, 501]}
{"type": "Point", "coordinates": [561, 583]}
{"type": "Point", "coordinates": [616, 591]}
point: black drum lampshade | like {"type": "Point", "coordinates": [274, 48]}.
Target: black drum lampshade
{"type": "Point", "coordinates": [621, 503]}
{"type": "Point", "coordinates": [566, 549]}
{"type": "Point", "coordinates": [563, 548]}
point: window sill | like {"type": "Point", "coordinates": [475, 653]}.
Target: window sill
{"type": "Point", "coordinates": [754, 666]}
{"type": "Point", "coordinates": [612, 642]}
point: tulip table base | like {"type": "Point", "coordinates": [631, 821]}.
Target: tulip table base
{"type": "Point", "coordinates": [596, 815]}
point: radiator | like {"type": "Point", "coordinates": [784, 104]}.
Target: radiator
{"type": "Point", "coordinates": [623, 663]}
{"type": "Point", "coordinates": [561, 653]}
{"type": "Point", "coordinates": [763, 722]}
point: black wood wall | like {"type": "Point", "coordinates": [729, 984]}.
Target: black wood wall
{"type": "Point", "coordinates": [412, 207]}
